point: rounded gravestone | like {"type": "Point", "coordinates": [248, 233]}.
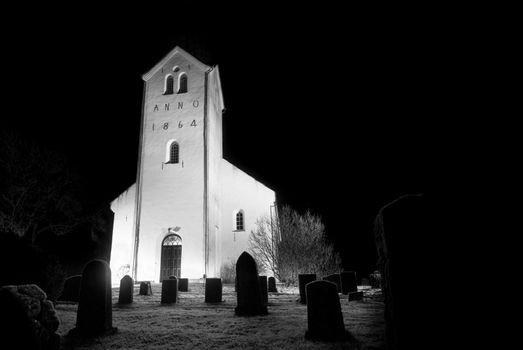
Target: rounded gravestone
{"type": "Point", "coordinates": [334, 278]}
{"type": "Point", "coordinates": [169, 291]}
{"type": "Point", "coordinates": [272, 285]}
{"type": "Point", "coordinates": [172, 277]}
{"type": "Point", "coordinates": [145, 288]}
{"type": "Point", "coordinates": [263, 289]}
{"type": "Point", "coordinates": [126, 290]}
{"type": "Point", "coordinates": [303, 279]}
{"type": "Point", "coordinates": [71, 290]}
{"type": "Point", "coordinates": [348, 282]}
{"type": "Point", "coordinates": [213, 290]}
{"type": "Point", "coordinates": [94, 315]}
{"type": "Point", "coordinates": [324, 317]}
{"type": "Point", "coordinates": [248, 292]}
{"type": "Point", "coordinates": [183, 284]}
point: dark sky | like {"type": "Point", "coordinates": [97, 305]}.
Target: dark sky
{"type": "Point", "coordinates": [338, 111]}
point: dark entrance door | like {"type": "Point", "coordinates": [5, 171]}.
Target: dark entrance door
{"type": "Point", "coordinates": [171, 257]}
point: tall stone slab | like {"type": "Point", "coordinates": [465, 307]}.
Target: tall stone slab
{"type": "Point", "coordinates": [71, 290]}
{"type": "Point", "coordinates": [324, 317]}
{"type": "Point", "coordinates": [213, 290]}
{"type": "Point", "coordinates": [272, 285]}
{"type": "Point", "coordinates": [303, 279]}
{"type": "Point", "coordinates": [169, 291]}
{"type": "Point", "coordinates": [263, 289]}
{"type": "Point", "coordinates": [248, 291]}
{"type": "Point", "coordinates": [334, 278]}
{"type": "Point", "coordinates": [348, 282]}
{"type": "Point", "coordinates": [126, 293]}
{"type": "Point", "coordinates": [94, 315]}
{"type": "Point", "coordinates": [403, 234]}
{"type": "Point", "coordinates": [183, 284]}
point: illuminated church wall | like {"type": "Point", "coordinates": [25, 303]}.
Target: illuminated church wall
{"type": "Point", "coordinates": [194, 197]}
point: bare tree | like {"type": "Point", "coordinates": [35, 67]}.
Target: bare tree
{"type": "Point", "coordinates": [36, 190]}
{"type": "Point", "coordinates": [295, 244]}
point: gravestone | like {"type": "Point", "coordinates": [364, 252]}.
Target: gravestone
{"type": "Point", "coordinates": [324, 317]}
{"type": "Point", "coordinates": [145, 288]}
{"type": "Point", "coordinates": [126, 290]}
{"type": "Point", "coordinates": [334, 278]}
{"type": "Point", "coordinates": [348, 282]}
{"type": "Point", "coordinates": [272, 285]}
{"type": "Point", "coordinates": [303, 279]}
{"type": "Point", "coordinates": [71, 291]}
{"type": "Point", "coordinates": [404, 233]}
{"type": "Point", "coordinates": [263, 289]}
{"type": "Point", "coordinates": [213, 290]}
{"type": "Point", "coordinates": [171, 277]}
{"type": "Point", "coordinates": [169, 291]}
{"type": "Point", "coordinates": [183, 284]}
{"type": "Point", "coordinates": [248, 291]}
{"type": "Point", "coordinates": [94, 315]}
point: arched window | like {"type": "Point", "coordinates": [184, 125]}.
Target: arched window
{"type": "Point", "coordinates": [239, 221]}
{"type": "Point", "coordinates": [174, 152]}
{"type": "Point", "coordinates": [169, 85]}
{"type": "Point", "coordinates": [182, 83]}
{"type": "Point", "coordinates": [172, 240]}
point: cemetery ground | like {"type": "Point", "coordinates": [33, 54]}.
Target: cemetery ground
{"type": "Point", "coordinates": [193, 324]}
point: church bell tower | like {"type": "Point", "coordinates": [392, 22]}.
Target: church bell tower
{"type": "Point", "coordinates": [180, 151]}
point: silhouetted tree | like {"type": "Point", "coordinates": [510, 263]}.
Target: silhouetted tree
{"type": "Point", "coordinates": [293, 244]}
{"type": "Point", "coordinates": [37, 190]}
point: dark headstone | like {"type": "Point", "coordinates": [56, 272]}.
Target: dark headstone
{"type": "Point", "coordinates": [172, 277]}
{"type": "Point", "coordinates": [404, 236]}
{"type": "Point", "coordinates": [303, 279]}
{"type": "Point", "coordinates": [272, 285]}
{"type": "Point", "coordinates": [334, 278]}
{"type": "Point", "coordinates": [213, 290]}
{"type": "Point", "coordinates": [169, 291]}
{"type": "Point", "coordinates": [126, 290]}
{"type": "Point", "coordinates": [348, 282]}
{"type": "Point", "coordinates": [355, 296]}
{"type": "Point", "coordinates": [94, 315]}
{"type": "Point", "coordinates": [324, 317]}
{"type": "Point", "coordinates": [183, 284]}
{"type": "Point", "coordinates": [145, 288]}
{"type": "Point", "coordinates": [263, 289]}
{"type": "Point", "coordinates": [71, 291]}
{"type": "Point", "coordinates": [248, 291]}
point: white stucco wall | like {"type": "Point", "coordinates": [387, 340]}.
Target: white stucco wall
{"type": "Point", "coordinates": [241, 192]}
{"type": "Point", "coordinates": [123, 236]}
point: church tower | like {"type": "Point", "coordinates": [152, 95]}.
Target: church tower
{"type": "Point", "coordinates": [190, 210]}
{"type": "Point", "coordinates": [178, 144]}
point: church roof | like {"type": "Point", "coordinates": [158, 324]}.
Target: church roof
{"type": "Point", "coordinates": [175, 51]}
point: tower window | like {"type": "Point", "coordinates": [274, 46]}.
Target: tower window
{"type": "Point", "coordinates": [169, 85]}
{"type": "Point", "coordinates": [182, 83]}
{"type": "Point", "coordinates": [174, 151]}
{"type": "Point", "coordinates": [239, 221]}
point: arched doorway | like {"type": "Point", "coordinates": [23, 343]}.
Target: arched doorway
{"type": "Point", "coordinates": [171, 257]}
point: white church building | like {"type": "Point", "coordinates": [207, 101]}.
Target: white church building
{"type": "Point", "coordinates": [190, 211]}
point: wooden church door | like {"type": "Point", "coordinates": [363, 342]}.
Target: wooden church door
{"type": "Point", "coordinates": [171, 259]}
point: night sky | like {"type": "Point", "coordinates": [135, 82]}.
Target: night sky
{"type": "Point", "coordinates": [337, 111]}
